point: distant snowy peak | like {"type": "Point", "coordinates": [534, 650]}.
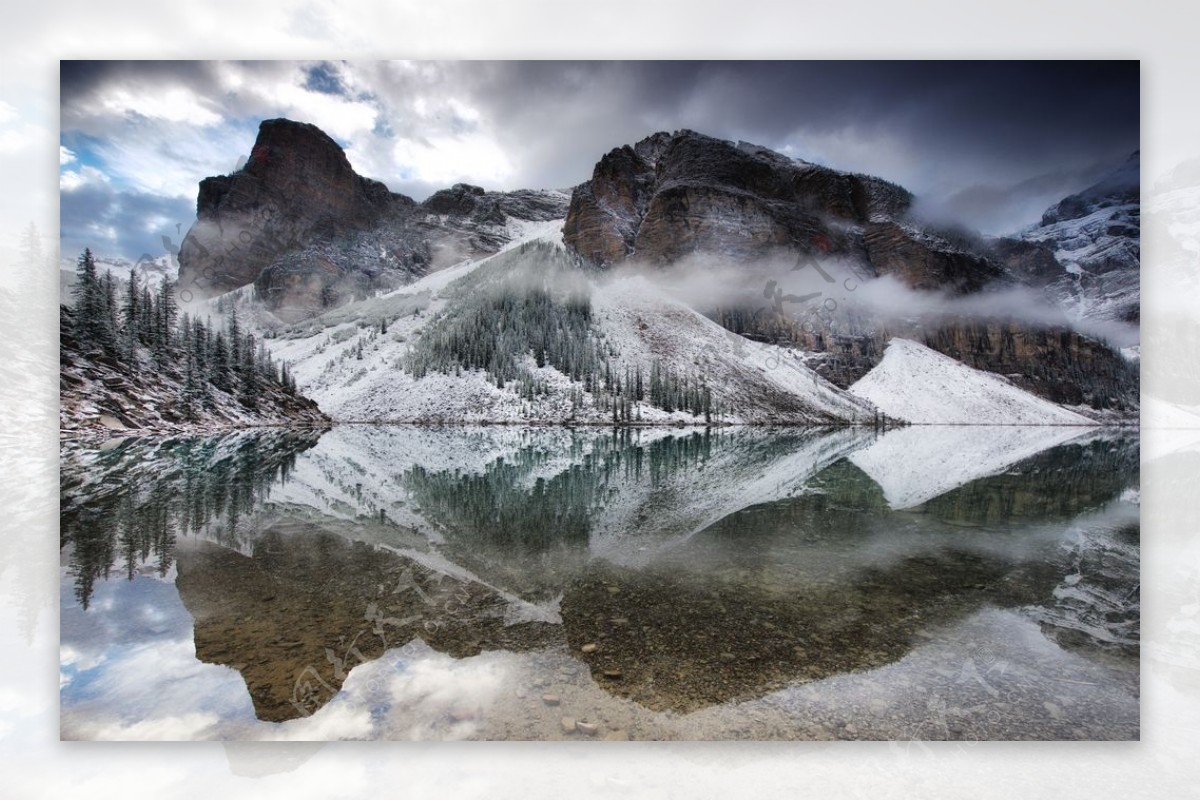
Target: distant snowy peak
{"type": "Point", "coordinates": [1095, 236]}
{"type": "Point", "coordinates": [1120, 187]}
{"type": "Point", "coordinates": [919, 385]}
{"type": "Point", "coordinates": [149, 270]}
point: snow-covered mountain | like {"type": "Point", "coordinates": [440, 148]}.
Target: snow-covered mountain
{"type": "Point", "coordinates": [1095, 236]}
{"type": "Point", "coordinates": [308, 232]}
{"type": "Point", "coordinates": [487, 307]}
{"type": "Point", "coordinates": [919, 385]}
{"type": "Point", "coordinates": [689, 204]}
{"type": "Point", "coordinates": [648, 358]}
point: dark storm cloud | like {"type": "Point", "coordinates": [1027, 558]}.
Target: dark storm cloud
{"type": "Point", "coordinates": [940, 127]}
{"type": "Point", "coordinates": [79, 80]}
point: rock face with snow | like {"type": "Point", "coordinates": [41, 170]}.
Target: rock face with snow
{"type": "Point", "coordinates": [1095, 237]}
{"type": "Point", "coordinates": [919, 385]}
{"type": "Point", "coordinates": [466, 222]}
{"type": "Point", "coordinates": [674, 194]}
{"type": "Point", "coordinates": [314, 235]}
{"type": "Point", "coordinates": [926, 261]}
{"type": "Point", "coordinates": [1058, 364]}
{"type": "Point", "coordinates": [300, 224]}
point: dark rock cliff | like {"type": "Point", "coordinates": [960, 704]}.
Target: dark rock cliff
{"type": "Point", "coordinates": [300, 224]}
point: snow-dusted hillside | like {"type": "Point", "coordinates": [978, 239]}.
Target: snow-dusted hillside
{"type": "Point", "coordinates": [919, 385]}
{"type": "Point", "coordinates": [757, 382]}
{"type": "Point", "coordinates": [354, 360]}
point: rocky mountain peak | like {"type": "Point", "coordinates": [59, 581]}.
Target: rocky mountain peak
{"type": "Point", "coordinates": [297, 185]}
{"type": "Point", "coordinates": [676, 193]}
{"type": "Point", "coordinates": [650, 148]}
{"type": "Point", "coordinates": [300, 224]}
{"type": "Point", "coordinates": [458, 199]}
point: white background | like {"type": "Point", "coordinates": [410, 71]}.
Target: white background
{"type": "Point", "coordinates": [36, 35]}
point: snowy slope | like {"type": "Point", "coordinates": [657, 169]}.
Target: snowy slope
{"type": "Point", "coordinates": [631, 320]}
{"type": "Point", "coordinates": [761, 383]}
{"type": "Point", "coordinates": [913, 465]}
{"type": "Point", "coordinates": [919, 385]}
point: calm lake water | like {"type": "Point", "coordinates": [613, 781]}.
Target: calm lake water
{"type": "Point", "coordinates": [923, 583]}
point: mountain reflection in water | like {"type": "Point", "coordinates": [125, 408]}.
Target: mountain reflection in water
{"type": "Point", "coordinates": [677, 572]}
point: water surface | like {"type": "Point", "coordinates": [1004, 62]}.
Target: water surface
{"type": "Point", "coordinates": [548, 583]}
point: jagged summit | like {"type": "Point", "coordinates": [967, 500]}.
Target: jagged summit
{"type": "Point", "coordinates": [742, 205]}
{"type": "Point", "coordinates": [313, 235]}
{"type": "Point", "coordinates": [296, 185]}
{"type": "Point", "coordinates": [309, 232]}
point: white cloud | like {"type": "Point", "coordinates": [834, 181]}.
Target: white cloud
{"type": "Point", "coordinates": [279, 90]}
{"type": "Point", "coordinates": [65, 155]}
{"type": "Point", "coordinates": [173, 104]}
{"type": "Point", "coordinates": [445, 159]}
{"type": "Point", "coordinates": [81, 660]}
{"type": "Point", "coordinates": [435, 684]}
{"type": "Point", "coordinates": [171, 158]}
{"type": "Point", "coordinates": [338, 117]}
{"type": "Point", "coordinates": [188, 726]}
{"type": "Point", "coordinates": [71, 180]}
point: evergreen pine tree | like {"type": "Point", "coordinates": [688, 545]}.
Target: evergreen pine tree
{"type": "Point", "coordinates": [249, 389]}
{"type": "Point", "coordinates": [93, 327]}
{"type": "Point", "coordinates": [146, 318]}
{"type": "Point", "coordinates": [108, 286]}
{"type": "Point", "coordinates": [166, 309]}
{"type": "Point", "coordinates": [130, 317]}
{"type": "Point", "coordinates": [218, 363]}
{"type": "Point", "coordinates": [234, 330]}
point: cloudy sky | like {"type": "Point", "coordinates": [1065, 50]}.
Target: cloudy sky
{"type": "Point", "coordinates": [989, 143]}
